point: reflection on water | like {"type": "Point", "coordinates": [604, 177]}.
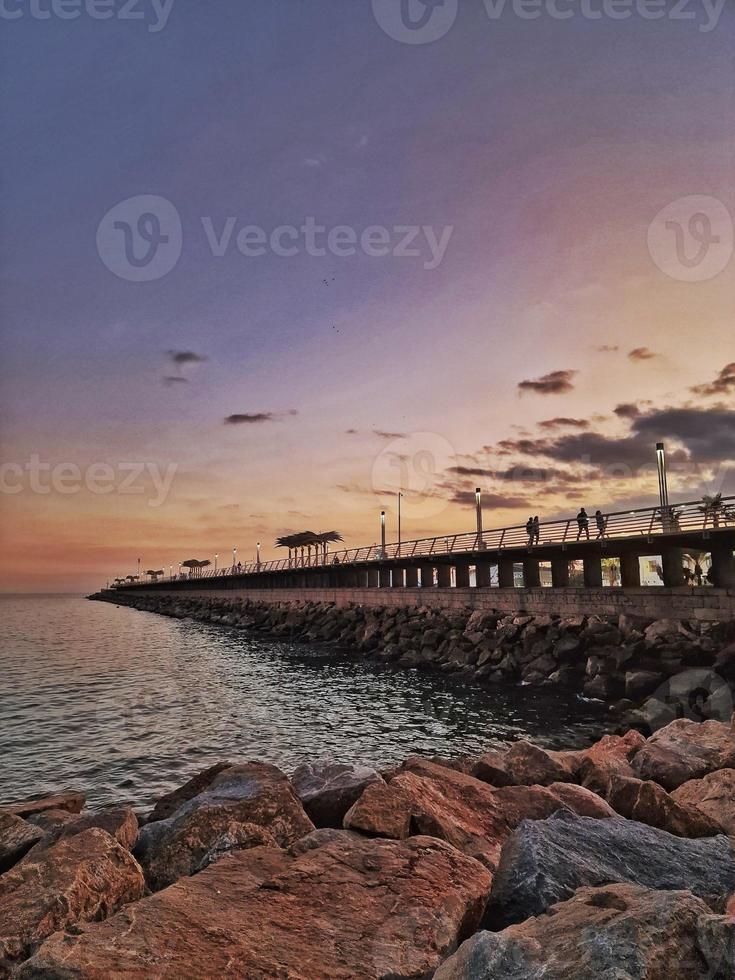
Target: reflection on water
{"type": "Point", "coordinates": [125, 705]}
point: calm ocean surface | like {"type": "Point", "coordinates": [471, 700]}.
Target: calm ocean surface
{"type": "Point", "coordinates": [126, 705]}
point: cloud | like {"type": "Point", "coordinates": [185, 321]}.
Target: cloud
{"type": "Point", "coordinates": [724, 383]}
{"type": "Point", "coordinates": [628, 410]}
{"type": "Point", "coordinates": [553, 383]}
{"type": "Point", "coordinates": [641, 354]}
{"type": "Point", "coordinates": [181, 357]}
{"type": "Point", "coordinates": [350, 432]}
{"type": "Point", "coordinates": [175, 379]}
{"type": "Point", "coordinates": [521, 473]}
{"type": "Point", "coordinates": [607, 348]}
{"type": "Point", "coordinates": [389, 435]}
{"type": "Point", "coordinates": [257, 418]}
{"type": "Point", "coordinates": [562, 422]}
{"type": "Point", "coordinates": [708, 434]}
{"type": "Point", "coordinates": [498, 500]}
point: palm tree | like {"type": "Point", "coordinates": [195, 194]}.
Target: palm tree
{"type": "Point", "coordinates": [154, 574]}
{"type": "Point", "coordinates": [712, 505]}
{"type": "Point", "coordinates": [325, 538]}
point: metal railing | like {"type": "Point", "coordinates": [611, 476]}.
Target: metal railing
{"type": "Point", "coordinates": [649, 522]}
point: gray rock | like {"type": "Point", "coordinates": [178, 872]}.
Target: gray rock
{"type": "Point", "coordinates": [17, 837]}
{"type": "Point", "coordinates": [545, 861]}
{"type": "Point", "coordinates": [328, 789]}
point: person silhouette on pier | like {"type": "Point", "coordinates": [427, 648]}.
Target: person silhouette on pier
{"type": "Point", "coordinates": [530, 531]}
{"type": "Point", "coordinates": [536, 530]}
{"type": "Point", "coordinates": [583, 524]}
{"type": "Point", "coordinates": [600, 522]}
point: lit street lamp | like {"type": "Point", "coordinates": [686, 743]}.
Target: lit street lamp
{"type": "Point", "coordinates": [215, 562]}
{"type": "Point", "coordinates": [399, 523]}
{"type": "Point", "coordinates": [382, 533]}
{"type": "Point", "coordinates": [478, 508]}
{"type": "Point", "coordinates": [234, 558]}
{"type": "Point", "coordinates": [663, 488]}
{"type": "Point", "coordinates": [258, 559]}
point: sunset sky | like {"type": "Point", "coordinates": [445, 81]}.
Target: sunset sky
{"type": "Point", "coordinates": [539, 353]}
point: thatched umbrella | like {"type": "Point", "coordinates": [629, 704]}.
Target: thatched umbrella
{"type": "Point", "coordinates": [194, 565]}
{"type": "Point", "coordinates": [325, 538]}
{"type": "Point", "coordinates": [154, 574]}
{"type": "Point", "coordinates": [287, 541]}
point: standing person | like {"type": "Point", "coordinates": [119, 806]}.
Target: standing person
{"type": "Point", "coordinates": [536, 530]}
{"type": "Point", "coordinates": [600, 522]}
{"type": "Point", "coordinates": [583, 524]}
{"type": "Point", "coordinates": [530, 531]}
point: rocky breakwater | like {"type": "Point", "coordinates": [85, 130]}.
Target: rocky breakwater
{"type": "Point", "coordinates": [522, 864]}
{"type": "Point", "coordinates": [622, 661]}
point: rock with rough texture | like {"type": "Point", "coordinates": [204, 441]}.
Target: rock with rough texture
{"type": "Point", "coordinates": [424, 798]}
{"type": "Point", "coordinates": [242, 806]}
{"type": "Point", "coordinates": [17, 837]}
{"type": "Point", "coordinates": [610, 756]}
{"type": "Point", "coordinates": [352, 908]}
{"type": "Point", "coordinates": [649, 803]}
{"type": "Point", "coordinates": [71, 802]}
{"type": "Point", "coordinates": [617, 931]}
{"type": "Point", "coordinates": [530, 765]}
{"type": "Point", "coordinates": [713, 795]}
{"type": "Point", "coordinates": [545, 861]}
{"type": "Point", "coordinates": [685, 750]}
{"type": "Point", "coordinates": [118, 821]}
{"type": "Point", "coordinates": [328, 789]}
{"type": "Point", "coordinates": [167, 805]}
{"type": "Point", "coordinates": [82, 878]}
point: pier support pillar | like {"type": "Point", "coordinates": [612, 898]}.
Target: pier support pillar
{"type": "Point", "coordinates": [412, 577]}
{"type": "Point", "coordinates": [427, 576]}
{"type": "Point", "coordinates": [531, 573]}
{"type": "Point", "coordinates": [384, 578]}
{"type": "Point", "coordinates": [630, 571]}
{"type": "Point", "coordinates": [483, 574]}
{"type": "Point", "coordinates": [592, 572]}
{"type": "Point", "coordinates": [444, 576]}
{"type": "Point", "coordinates": [672, 564]}
{"type": "Point", "coordinates": [560, 573]}
{"type": "Point", "coordinates": [398, 574]}
{"type": "Point", "coordinates": [723, 565]}
{"type": "Point", "coordinates": [373, 578]}
{"type": "Point", "coordinates": [462, 576]}
{"type": "Point", "coordinates": [506, 578]}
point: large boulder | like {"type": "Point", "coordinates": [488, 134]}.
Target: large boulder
{"type": "Point", "coordinates": [685, 750]}
{"type": "Point", "coordinates": [80, 879]}
{"type": "Point", "coordinates": [353, 908]}
{"type": "Point", "coordinates": [17, 837]}
{"type": "Point", "coordinates": [530, 765]}
{"type": "Point", "coordinates": [242, 806]}
{"type": "Point", "coordinates": [328, 789]}
{"type": "Point", "coordinates": [545, 861]}
{"type": "Point", "coordinates": [71, 802]}
{"type": "Point", "coordinates": [649, 803]}
{"type": "Point", "coordinates": [610, 756]}
{"type": "Point", "coordinates": [616, 931]}
{"type": "Point", "coordinates": [119, 822]}
{"type": "Point", "coordinates": [167, 805]}
{"type": "Point", "coordinates": [713, 795]}
{"type": "Point", "coordinates": [425, 798]}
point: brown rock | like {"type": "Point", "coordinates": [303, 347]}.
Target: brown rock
{"type": "Point", "coordinates": [530, 765]}
{"type": "Point", "coordinates": [82, 878]}
{"type": "Point", "coordinates": [619, 930]}
{"type": "Point", "coordinates": [425, 798]}
{"type": "Point", "coordinates": [649, 803]}
{"type": "Point", "coordinates": [349, 909]}
{"type": "Point", "coordinates": [17, 837]}
{"type": "Point", "coordinates": [608, 757]}
{"type": "Point", "coordinates": [119, 822]}
{"type": "Point", "coordinates": [71, 802]}
{"type": "Point", "coordinates": [713, 795]}
{"type": "Point", "coordinates": [168, 804]}
{"type": "Point", "coordinates": [685, 750]}
{"type": "Point", "coordinates": [491, 768]}
{"type": "Point", "coordinates": [328, 789]}
{"type": "Point", "coordinates": [242, 806]}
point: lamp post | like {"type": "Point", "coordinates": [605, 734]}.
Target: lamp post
{"type": "Point", "coordinates": [258, 558]}
{"type": "Point", "coordinates": [382, 534]}
{"type": "Point", "coordinates": [170, 571]}
{"type": "Point", "coordinates": [234, 558]}
{"type": "Point", "coordinates": [663, 488]}
{"type": "Point", "coordinates": [216, 556]}
{"type": "Point", "coordinates": [478, 509]}
{"type": "Point", "coordinates": [139, 569]}
{"type": "Point", "coordinates": [399, 523]}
